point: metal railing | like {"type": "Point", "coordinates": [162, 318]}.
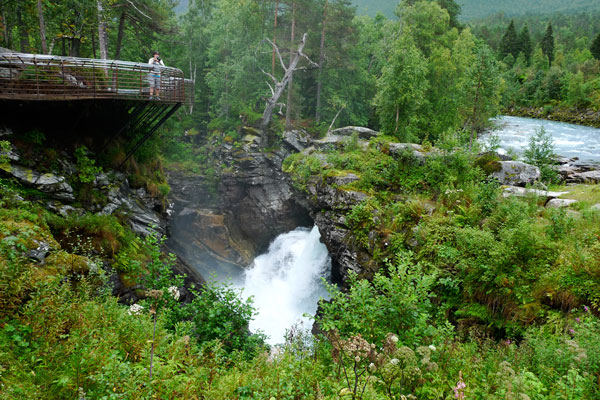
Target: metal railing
{"type": "Point", "coordinates": [45, 77]}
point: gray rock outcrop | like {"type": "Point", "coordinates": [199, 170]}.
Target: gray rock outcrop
{"type": "Point", "coordinates": [229, 221]}
{"type": "Point", "coordinates": [524, 192]}
{"type": "Point", "coordinates": [55, 186]}
{"type": "Point", "coordinates": [560, 203]}
{"type": "Point", "coordinates": [517, 173]}
{"type": "Point", "coordinates": [362, 132]}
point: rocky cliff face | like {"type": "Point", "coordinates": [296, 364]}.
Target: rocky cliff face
{"type": "Point", "coordinates": [225, 224]}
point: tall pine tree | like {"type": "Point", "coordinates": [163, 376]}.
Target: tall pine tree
{"type": "Point", "coordinates": [548, 44]}
{"type": "Point", "coordinates": [509, 43]}
{"type": "Point", "coordinates": [525, 45]}
{"type": "Point", "coordinates": [595, 48]}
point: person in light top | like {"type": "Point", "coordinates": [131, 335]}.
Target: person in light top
{"type": "Point", "coordinates": [154, 76]}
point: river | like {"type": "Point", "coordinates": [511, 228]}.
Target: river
{"type": "Point", "coordinates": [569, 140]}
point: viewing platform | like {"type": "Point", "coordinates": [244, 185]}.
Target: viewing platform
{"type": "Point", "coordinates": [74, 97]}
{"type": "Point", "coordinates": [45, 77]}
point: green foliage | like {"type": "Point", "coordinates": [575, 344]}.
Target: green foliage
{"type": "Point", "coordinates": [510, 42]}
{"type": "Point", "coordinates": [86, 167]}
{"type": "Point", "coordinates": [34, 137]}
{"type": "Point", "coordinates": [394, 301]}
{"type": "Point", "coordinates": [5, 147]}
{"type": "Point", "coordinates": [218, 312]}
{"type": "Point", "coordinates": [595, 47]}
{"type": "Point", "coordinates": [540, 152]}
{"type": "Point", "coordinates": [547, 44]}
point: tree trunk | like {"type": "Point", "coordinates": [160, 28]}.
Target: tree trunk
{"type": "Point", "coordinates": [288, 109]}
{"type": "Point", "coordinates": [42, 27]}
{"type": "Point", "coordinates": [120, 35]}
{"type": "Point", "coordinates": [334, 118]}
{"type": "Point", "coordinates": [75, 47]}
{"type": "Point", "coordinates": [274, 37]}
{"type": "Point", "coordinates": [93, 36]}
{"type": "Point", "coordinates": [321, 59]}
{"type": "Point", "coordinates": [23, 37]}
{"type": "Point", "coordinates": [280, 86]}
{"type": "Point", "coordinates": [102, 39]}
{"type": "Point", "coordinates": [397, 119]}
{"type": "Point", "coordinates": [6, 29]}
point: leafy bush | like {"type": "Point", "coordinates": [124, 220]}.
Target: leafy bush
{"type": "Point", "coordinates": [219, 313]}
{"type": "Point", "coordinates": [540, 152]}
{"type": "Point", "coordinates": [397, 302]}
{"type": "Point", "coordinates": [86, 167]}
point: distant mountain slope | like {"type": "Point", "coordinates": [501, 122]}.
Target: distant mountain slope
{"type": "Point", "coordinates": [476, 9]}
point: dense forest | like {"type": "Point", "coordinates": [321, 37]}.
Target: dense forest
{"type": "Point", "coordinates": [462, 292]}
{"type": "Point", "coordinates": [479, 9]}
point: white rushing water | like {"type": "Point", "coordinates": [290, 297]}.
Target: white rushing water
{"type": "Point", "coordinates": [286, 282]}
{"type": "Point", "coordinates": [569, 140]}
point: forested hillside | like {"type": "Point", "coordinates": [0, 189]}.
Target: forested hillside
{"type": "Point", "coordinates": [477, 9]}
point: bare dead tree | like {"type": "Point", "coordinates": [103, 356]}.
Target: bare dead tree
{"type": "Point", "coordinates": [280, 85]}
{"type": "Point", "coordinates": [288, 110]}
{"type": "Point", "coordinates": [102, 37]}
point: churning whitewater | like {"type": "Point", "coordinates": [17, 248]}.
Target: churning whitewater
{"type": "Point", "coordinates": [286, 282]}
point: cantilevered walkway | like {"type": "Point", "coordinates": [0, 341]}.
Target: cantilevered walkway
{"type": "Point", "coordinates": [109, 94]}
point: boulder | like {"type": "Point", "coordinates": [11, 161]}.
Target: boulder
{"type": "Point", "coordinates": [297, 139]}
{"type": "Point", "coordinates": [560, 203]}
{"type": "Point", "coordinates": [415, 149]}
{"type": "Point", "coordinates": [524, 192]}
{"type": "Point", "coordinates": [363, 133]}
{"type": "Point", "coordinates": [40, 253]}
{"type": "Point", "coordinates": [516, 173]}
{"type": "Point", "coordinates": [53, 185]}
{"type": "Point", "coordinates": [336, 141]}
{"type": "Point", "coordinates": [584, 177]}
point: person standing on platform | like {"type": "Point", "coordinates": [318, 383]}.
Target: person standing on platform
{"type": "Point", "coordinates": [154, 76]}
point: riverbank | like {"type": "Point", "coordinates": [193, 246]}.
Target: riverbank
{"type": "Point", "coordinates": [586, 117]}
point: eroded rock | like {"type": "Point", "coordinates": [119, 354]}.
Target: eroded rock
{"type": "Point", "coordinates": [362, 132]}
{"type": "Point", "coordinates": [516, 173]}
{"type": "Point", "coordinates": [53, 185]}
{"type": "Point", "coordinates": [560, 203]}
{"type": "Point", "coordinates": [297, 139]}
{"type": "Point", "coordinates": [524, 192]}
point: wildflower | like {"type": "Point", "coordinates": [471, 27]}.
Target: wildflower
{"type": "Point", "coordinates": [357, 359]}
{"type": "Point", "coordinates": [135, 309]}
{"type": "Point", "coordinates": [394, 361]}
{"type": "Point", "coordinates": [173, 291]}
{"type": "Point", "coordinates": [586, 308]}
{"type": "Point", "coordinates": [577, 320]}
{"type": "Point", "coordinates": [432, 347]}
{"type": "Point", "coordinates": [394, 338]}
{"type": "Point", "coordinates": [372, 367]}
{"type": "Point", "coordinates": [459, 389]}
{"type": "Point", "coordinates": [571, 331]}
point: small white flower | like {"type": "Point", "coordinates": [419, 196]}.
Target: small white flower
{"type": "Point", "coordinates": [357, 359]}
{"type": "Point", "coordinates": [394, 361]}
{"type": "Point", "coordinates": [173, 291]}
{"type": "Point", "coordinates": [372, 367]}
{"type": "Point", "coordinates": [394, 338]}
{"type": "Point", "coordinates": [432, 347]}
{"type": "Point", "coordinates": [135, 309]}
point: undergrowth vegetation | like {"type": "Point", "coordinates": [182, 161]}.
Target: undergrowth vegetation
{"type": "Point", "coordinates": [469, 295]}
{"type": "Point", "coordinates": [509, 287]}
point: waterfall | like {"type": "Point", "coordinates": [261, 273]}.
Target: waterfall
{"type": "Point", "coordinates": [286, 282]}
